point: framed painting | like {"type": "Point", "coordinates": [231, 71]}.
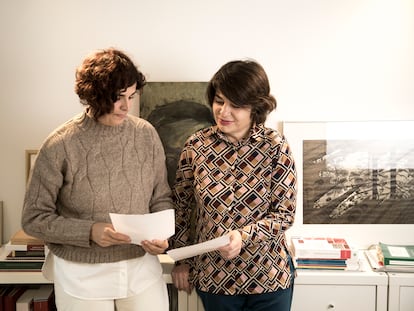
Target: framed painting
{"type": "Point", "coordinates": [354, 172]}
{"type": "Point", "coordinates": [177, 110]}
{"type": "Point", "coordinates": [30, 157]}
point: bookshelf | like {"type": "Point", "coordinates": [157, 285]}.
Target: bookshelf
{"type": "Point", "coordinates": [314, 289]}
{"type": "Point", "coordinates": [24, 277]}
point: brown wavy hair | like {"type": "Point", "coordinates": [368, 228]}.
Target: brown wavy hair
{"type": "Point", "coordinates": [245, 84]}
{"type": "Point", "coordinates": [102, 76]}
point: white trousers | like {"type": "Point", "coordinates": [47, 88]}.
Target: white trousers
{"type": "Point", "coordinates": [154, 298]}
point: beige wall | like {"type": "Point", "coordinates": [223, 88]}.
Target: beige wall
{"type": "Point", "coordinates": [327, 60]}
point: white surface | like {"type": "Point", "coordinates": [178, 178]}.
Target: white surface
{"type": "Point", "coordinates": [197, 249]}
{"type": "Point", "coordinates": [401, 292]}
{"type": "Point", "coordinates": [326, 60]}
{"type": "Point", "coordinates": [159, 225]}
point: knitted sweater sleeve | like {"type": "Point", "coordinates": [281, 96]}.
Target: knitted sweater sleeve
{"type": "Point", "coordinates": [40, 217]}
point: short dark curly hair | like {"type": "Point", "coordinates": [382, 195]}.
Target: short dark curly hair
{"type": "Point", "coordinates": [245, 84]}
{"type": "Point", "coordinates": [102, 76]}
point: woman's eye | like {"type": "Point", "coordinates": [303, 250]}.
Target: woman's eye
{"type": "Point", "coordinates": [219, 101]}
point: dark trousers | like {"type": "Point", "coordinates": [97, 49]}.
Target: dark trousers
{"type": "Point", "coordinates": [280, 300]}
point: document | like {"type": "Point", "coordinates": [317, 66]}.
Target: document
{"type": "Point", "coordinates": [158, 225]}
{"type": "Point", "coordinates": [197, 249]}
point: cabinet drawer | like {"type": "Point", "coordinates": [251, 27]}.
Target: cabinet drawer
{"type": "Point", "coordinates": [334, 297]}
{"type": "Point", "coordinates": [406, 298]}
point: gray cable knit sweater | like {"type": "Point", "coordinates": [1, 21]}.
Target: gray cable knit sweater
{"type": "Point", "coordinates": [86, 170]}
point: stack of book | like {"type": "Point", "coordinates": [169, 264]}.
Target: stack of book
{"type": "Point", "coordinates": [324, 253]}
{"type": "Point", "coordinates": [391, 257]}
{"type": "Point", "coordinates": [22, 253]}
{"type": "Point", "coordinates": [27, 298]}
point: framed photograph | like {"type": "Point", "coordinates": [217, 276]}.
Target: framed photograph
{"type": "Point", "coordinates": [355, 179]}
{"type": "Point", "coordinates": [30, 157]}
{"type": "Point", "coordinates": [355, 172]}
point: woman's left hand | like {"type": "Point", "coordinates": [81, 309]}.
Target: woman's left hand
{"type": "Point", "coordinates": [155, 247]}
{"type": "Point", "coordinates": [232, 249]}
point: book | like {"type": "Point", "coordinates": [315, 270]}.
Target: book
{"type": "Point", "coordinates": [23, 247]}
{"type": "Point", "coordinates": [321, 248]}
{"type": "Point", "coordinates": [26, 255]}
{"type": "Point", "coordinates": [9, 300]}
{"type": "Point", "coordinates": [20, 265]}
{"type": "Point", "coordinates": [396, 255]}
{"type": "Point", "coordinates": [321, 264]}
{"type": "Point", "coordinates": [43, 299]}
{"type": "Point", "coordinates": [25, 301]}
{"type": "Point", "coordinates": [4, 290]}
{"type": "Point", "coordinates": [378, 265]}
{"type": "Point", "coordinates": [22, 238]}
{"type": "Point", "coordinates": [332, 262]}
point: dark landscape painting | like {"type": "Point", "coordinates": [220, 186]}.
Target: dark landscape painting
{"type": "Point", "coordinates": [358, 182]}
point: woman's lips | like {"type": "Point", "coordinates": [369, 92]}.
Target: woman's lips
{"type": "Point", "coordinates": [224, 122]}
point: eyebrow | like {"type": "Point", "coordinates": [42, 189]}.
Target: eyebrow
{"type": "Point", "coordinates": [122, 93]}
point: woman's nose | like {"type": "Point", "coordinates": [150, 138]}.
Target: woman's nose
{"type": "Point", "coordinates": [126, 103]}
{"type": "Point", "coordinates": [225, 109]}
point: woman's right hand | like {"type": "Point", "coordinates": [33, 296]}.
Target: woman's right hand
{"type": "Point", "coordinates": [105, 235]}
{"type": "Point", "coordinates": [180, 275]}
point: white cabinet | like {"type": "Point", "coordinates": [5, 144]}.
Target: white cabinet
{"type": "Point", "coordinates": [340, 291]}
{"type": "Point", "coordinates": [317, 290]}
{"type": "Point", "coordinates": [400, 291]}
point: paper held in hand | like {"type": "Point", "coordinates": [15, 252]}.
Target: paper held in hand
{"type": "Point", "coordinates": [197, 249]}
{"type": "Point", "coordinates": [158, 225]}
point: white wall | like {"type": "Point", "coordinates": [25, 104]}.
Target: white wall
{"type": "Point", "coordinates": [326, 60]}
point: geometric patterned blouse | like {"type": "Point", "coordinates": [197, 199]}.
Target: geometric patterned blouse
{"type": "Point", "coordinates": [248, 186]}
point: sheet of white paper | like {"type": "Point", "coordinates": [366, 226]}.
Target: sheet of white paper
{"type": "Point", "coordinates": [159, 225]}
{"type": "Point", "coordinates": [197, 249]}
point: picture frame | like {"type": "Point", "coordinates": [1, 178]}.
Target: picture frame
{"type": "Point", "coordinates": [176, 110]}
{"type": "Point", "coordinates": [30, 158]}
{"type": "Point", "coordinates": [338, 141]}
{"type": "Point", "coordinates": [1, 222]}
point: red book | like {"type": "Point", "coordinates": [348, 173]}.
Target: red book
{"type": "Point", "coordinates": [3, 292]}
{"type": "Point", "coordinates": [321, 248]}
{"type": "Point", "coordinates": [9, 300]}
{"type": "Point", "coordinates": [44, 299]}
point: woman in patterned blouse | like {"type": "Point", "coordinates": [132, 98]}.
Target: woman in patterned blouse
{"type": "Point", "coordinates": [239, 178]}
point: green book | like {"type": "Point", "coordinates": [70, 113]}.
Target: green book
{"type": "Point", "coordinates": [398, 255]}
{"type": "Point", "coordinates": [17, 265]}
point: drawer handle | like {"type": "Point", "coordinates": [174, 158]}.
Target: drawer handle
{"type": "Point", "coordinates": [331, 307]}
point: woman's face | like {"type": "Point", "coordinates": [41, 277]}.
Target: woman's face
{"type": "Point", "coordinates": [233, 121]}
{"type": "Point", "coordinates": [121, 107]}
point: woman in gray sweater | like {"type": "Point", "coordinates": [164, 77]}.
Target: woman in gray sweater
{"type": "Point", "coordinates": [101, 161]}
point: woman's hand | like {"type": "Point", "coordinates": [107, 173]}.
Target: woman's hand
{"type": "Point", "coordinates": [155, 247]}
{"type": "Point", "coordinates": [105, 235]}
{"type": "Point", "coordinates": [232, 249]}
{"type": "Point", "coordinates": [180, 276]}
